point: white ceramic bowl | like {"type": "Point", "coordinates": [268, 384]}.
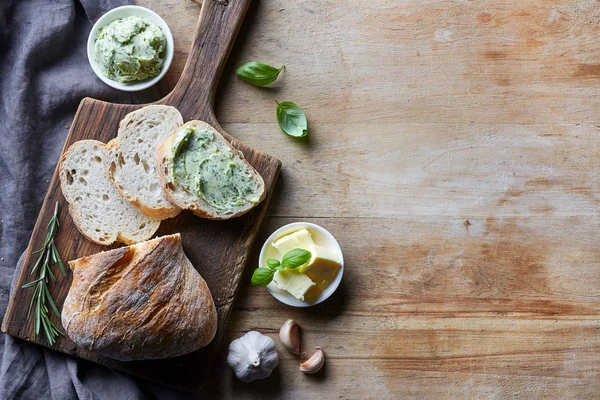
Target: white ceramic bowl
{"type": "Point", "coordinates": [321, 237]}
{"type": "Point", "coordinates": [130, 11]}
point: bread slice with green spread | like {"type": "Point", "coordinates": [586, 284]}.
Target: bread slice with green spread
{"type": "Point", "coordinates": [98, 211]}
{"type": "Point", "coordinates": [202, 172]}
{"type": "Point", "coordinates": [130, 160]}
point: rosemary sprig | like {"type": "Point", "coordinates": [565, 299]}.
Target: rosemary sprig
{"type": "Point", "coordinates": [42, 302]}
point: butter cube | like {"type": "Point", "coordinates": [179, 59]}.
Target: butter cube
{"type": "Point", "coordinates": [301, 239]}
{"type": "Point", "coordinates": [322, 267]}
{"type": "Point", "coordinates": [294, 282]}
{"type": "Point", "coordinates": [320, 253]}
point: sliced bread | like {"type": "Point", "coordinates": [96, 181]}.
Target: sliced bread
{"type": "Point", "coordinates": [130, 160]}
{"type": "Point", "coordinates": [212, 193]}
{"type": "Point", "coordinates": [98, 211]}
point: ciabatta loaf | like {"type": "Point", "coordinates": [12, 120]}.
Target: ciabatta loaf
{"type": "Point", "coordinates": [130, 159]}
{"type": "Point", "coordinates": [141, 302]}
{"type": "Point", "coordinates": [210, 193]}
{"type": "Point", "coordinates": [98, 211]}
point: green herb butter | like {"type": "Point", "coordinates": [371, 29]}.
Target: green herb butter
{"type": "Point", "coordinates": [211, 172]}
{"type": "Point", "coordinates": [130, 49]}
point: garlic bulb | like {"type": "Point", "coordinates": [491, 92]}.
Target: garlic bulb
{"type": "Point", "coordinates": [253, 356]}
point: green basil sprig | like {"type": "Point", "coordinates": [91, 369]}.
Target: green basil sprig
{"type": "Point", "coordinates": [259, 74]}
{"type": "Point", "coordinates": [292, 259]}
{"type": "Point", "coordinates": [291, 119]}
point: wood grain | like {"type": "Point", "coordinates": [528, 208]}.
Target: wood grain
{"type": "Point", "coordinates": [218, 249]}
{"type": "Point", "coordinates": [453, 152]}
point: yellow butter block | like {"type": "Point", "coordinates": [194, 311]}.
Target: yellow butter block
{"type": "Point", "coordinates": [320, 254]}
{"type": "Point", "coordinates": [300, 239]}
{"type": "Point", "coordinates": [294, 282]}
{"type": "Point", "coordinates": [322, 267]}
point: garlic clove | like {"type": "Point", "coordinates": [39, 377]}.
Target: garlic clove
{"type": "Point", "coordinates": [290, 336]}
{"type": "Point", "coordinates": [314, 363]}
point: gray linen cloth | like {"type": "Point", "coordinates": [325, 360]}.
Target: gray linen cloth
{"type": "Point", "coordinates": [44, 74]}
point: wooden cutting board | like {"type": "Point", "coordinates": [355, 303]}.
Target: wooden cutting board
{"type": "Point", "coordinates": [218, 249]}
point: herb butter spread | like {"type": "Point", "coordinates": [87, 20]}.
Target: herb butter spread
{"type": "Point", "coordinates": [130, 49]}
{"type": "Point", "coordinates": [210, 171]}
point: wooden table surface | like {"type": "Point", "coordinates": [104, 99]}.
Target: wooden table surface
{"type": "Point", "coordinates": [453, 152]}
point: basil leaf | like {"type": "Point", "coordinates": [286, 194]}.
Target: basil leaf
{"type": "Point", "coordinates": [295, 258]}
{"type": "Point", "coordinates": [272, 263]}
{"type": "Point", "coordinates": [262, 276]}
{"type": "Point", "coordinates": [291, 119]}
{"type": "Point", "coordinates": [258, 74]}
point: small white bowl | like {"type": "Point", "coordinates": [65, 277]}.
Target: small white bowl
{"type": "Point", "coordinates": [321, 237]}
{"type": "Point", "coordinates": [130, 11]}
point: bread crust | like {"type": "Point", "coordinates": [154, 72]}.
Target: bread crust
{"type": "Point", "coordinates": [139, 302]}
{"type": "Point", "coordinates": [168, 186]}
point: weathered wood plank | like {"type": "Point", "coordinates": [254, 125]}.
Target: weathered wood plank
{"type": "Point", "coordinates": [459, 316]}
{"type": "Point", "coordinates": [387, 170]}
{"type": "Point", "coordinates": [443, 61]}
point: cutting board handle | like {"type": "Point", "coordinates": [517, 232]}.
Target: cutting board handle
{"type": "Point", "coordinates": [219, 23]}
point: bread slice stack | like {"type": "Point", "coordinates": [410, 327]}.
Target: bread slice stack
{"type": "Point", "coordinates": [119, 192]}
{"type": "Point", "coordinates": [97, 209]}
